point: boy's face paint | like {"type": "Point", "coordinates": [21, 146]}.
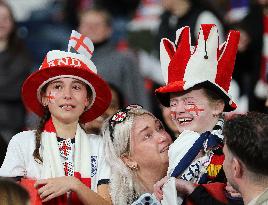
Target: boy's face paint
{"type": "Point", "coordinates": [192, 111]}
{"type": "Point", "coordinates": [193, 107]}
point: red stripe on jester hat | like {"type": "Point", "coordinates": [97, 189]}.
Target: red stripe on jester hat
{"type": "Point", "coordinates": [181, 53]}
{"type": "Point", "coordinates": [206, 30]}
{"type": "Point", "coordinates": [226, 60]}
{"type": "Point", "coordinates": [182, 56]}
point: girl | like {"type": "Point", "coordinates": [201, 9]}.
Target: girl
{"type": "Point", "coordinates": [64, 91]}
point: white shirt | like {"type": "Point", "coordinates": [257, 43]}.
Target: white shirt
{"type": "Point", "coordinates": [19, 160]}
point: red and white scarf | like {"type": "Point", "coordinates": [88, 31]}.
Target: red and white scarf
{"type": "Point", "coordinates": [52, 164]}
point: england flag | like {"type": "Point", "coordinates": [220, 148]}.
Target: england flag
{"type": "Point", "coordinates": [81, 44]}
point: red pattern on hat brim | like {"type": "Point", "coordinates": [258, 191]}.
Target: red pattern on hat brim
{"type": "Point", "coordinates": [33, 82]}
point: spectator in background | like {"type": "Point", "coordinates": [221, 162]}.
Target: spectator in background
{"type": "Point", "coordinates": [168, 122]}
{"type": "Point", "coordinates": [94, 126]}
{"type": "Point", "coordinates": [56, 23]}
{"type": "Point", "coordinates": [12, 193]}
{"type": "Point", "coordinates": [252, 58]}
{"type": "Point", "coordinates": [120, 69]}
{"type": "Point", "coordinates": [121, 12]}
{"type": "Point", "coordinates": [192, 13]}
{"type": "Point", "coordinates": [15, 65]}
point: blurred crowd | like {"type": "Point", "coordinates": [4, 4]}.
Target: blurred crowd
{"type": "Point", "coordinates": [126, 36]}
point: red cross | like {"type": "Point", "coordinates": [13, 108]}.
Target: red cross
{"type": "Point", "coordinates": [80, 42]}
{"type": "Point", "coordinates": [66, 168]}
{"type": "Point", "coordinates": [64, 148]}
{"type": "Point", "coordinates": [50, 97]}
{"type": "Point", "coordinates": [195, 109]}
{"type": "Point", "coordinates": [119, 116]}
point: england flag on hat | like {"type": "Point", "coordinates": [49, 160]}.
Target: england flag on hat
{"type": "Point", "coordinates": [78, 65]}
{"type": "Point", "coordinates": [81, 44]}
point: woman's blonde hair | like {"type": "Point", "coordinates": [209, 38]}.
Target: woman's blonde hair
{"type": "Point", "coordinates": [117, 141]}
{"type": "Point", "coordinates": [12, 193]}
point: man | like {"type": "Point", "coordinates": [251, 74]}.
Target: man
{"type": "Point", "coordinates": [246, 156]}
{"type": "Point", "coordinates": [250, 74]}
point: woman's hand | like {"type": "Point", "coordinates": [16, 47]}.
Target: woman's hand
{"type": "Point", "coordinates": [184, 188]}
{"type": "Point", "coordinates": [158, 192]}
{"type": "Point", "coordinates": [54, 187]}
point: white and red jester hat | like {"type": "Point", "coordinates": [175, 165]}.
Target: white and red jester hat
{"type": "Point", "coordinates": [207, 64]}
{"type": "Point", "coordinates": [77, 65]}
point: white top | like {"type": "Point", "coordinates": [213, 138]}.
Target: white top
{"type": "Point", "coordinates": [19, 160]}
{"type": "Point", "coordinates": [261, 199]}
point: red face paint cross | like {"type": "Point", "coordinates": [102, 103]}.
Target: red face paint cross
{"type": "Point", "coordinates": [51, 97]}
{"type": "Point", "coordinates": [192, 106]}
{"type": "Point", "coordinates": [194, 109]}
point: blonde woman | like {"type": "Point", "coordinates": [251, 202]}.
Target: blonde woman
{"type": "Point", "coordinates": [136, 147]}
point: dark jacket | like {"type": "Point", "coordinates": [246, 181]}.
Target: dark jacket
{"type": "Point", "coordinates": [14, 68]}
